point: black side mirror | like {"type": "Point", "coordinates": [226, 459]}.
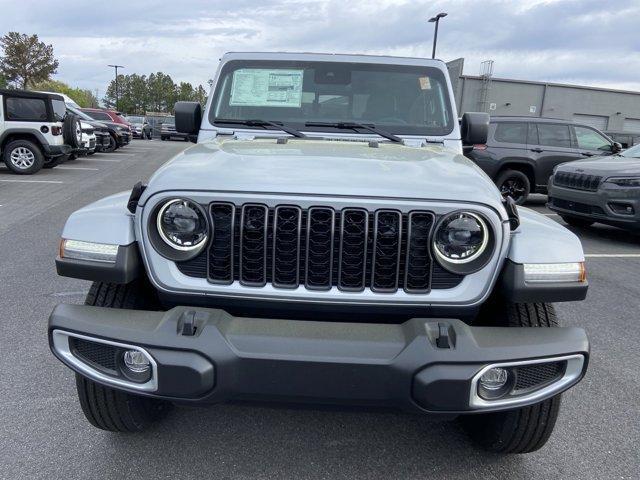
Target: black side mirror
{"type": "Point", "coordinates": [188, 117]}
{"type": "Point", "coordinates": [616, 147]}
{"type": "Point", "coordinates": [474, 128]}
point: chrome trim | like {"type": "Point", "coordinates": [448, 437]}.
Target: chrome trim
{"type": "Point", "coordinates": [61, 346]}
{"type": "Point", "coordinates": [233, 235]}
{"type": "Point", "coordinates": [306, 262]}
{"type": "Point", "coordinates": [275, 240]}
{"type": "Point", "coordinates": [374, 248]}
{"type": "Point", "coordinates": [266, 231]}
{"type": "Point", "coordinates": [364, 253]}
{"type": "Point", "coordinates": [431, 259]}
{"type": "Point", "coordinates": [572, 373]}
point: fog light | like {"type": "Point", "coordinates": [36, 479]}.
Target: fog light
{"type": "Point", "coordinates": [495, 383]}
{"type": "Point", "coordinates": [494, 379]}
{"type": "Point", "coordinates": [136, 361]}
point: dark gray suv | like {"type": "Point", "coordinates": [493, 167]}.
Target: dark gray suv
{"type": "Point", "coordinates": [604, 190]}
{"type": "Point", "coordinates": [521, 152]}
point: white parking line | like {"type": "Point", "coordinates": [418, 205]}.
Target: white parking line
{"type": "Point", "coordinates": [102, 160]}
{"type": "Point", "coordinates": [31, 181]}
{"type": "Point", "coordinates": [75, 168]}
{"type": "Point", "coordinates": [612, 255]}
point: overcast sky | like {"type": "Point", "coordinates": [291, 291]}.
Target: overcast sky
{"type": "Point", "coordinates": [589, 42]}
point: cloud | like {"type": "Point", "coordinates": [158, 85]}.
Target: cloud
{"type": "Point", "coordinates": [580, 41]}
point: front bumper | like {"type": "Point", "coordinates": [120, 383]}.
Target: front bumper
{"type": "Point", "coordinates": [606, 205]}
{"type": "Point", "coordinates": [423, 365]}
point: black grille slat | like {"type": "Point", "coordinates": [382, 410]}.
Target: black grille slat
{"type": "Point", "coordinates": [387, 241]}
{"type": "Point", "coordinates": [253, 245]}
{"type": "Point", "coordinates": [330, 249]}
{"type": "Point", "coordinates": [577, 181]}
{"type": "Point", "coordinates": [221, 249]}
{"type": "Point", "coordinates": [320, 236]}
{"type": "Point", "coordinates": [418, 257]}
{"type": "Point", "coordinates": [354, 232]}
{"type": "Point", "coordinates": [286, 246]}
{"type": "Point", "coordinates": [536, 375]}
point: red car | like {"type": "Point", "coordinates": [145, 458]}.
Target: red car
{"type": "Point", "coordinates": [106, 116]}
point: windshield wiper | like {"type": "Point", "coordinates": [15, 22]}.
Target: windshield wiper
{"type": "Point", "coordinates": [355, 126]}
{"type": "Point", "coordinates": [262, 123]}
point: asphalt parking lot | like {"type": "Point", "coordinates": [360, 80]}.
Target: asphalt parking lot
{"type": "Point", "coordinates": [43, 433]}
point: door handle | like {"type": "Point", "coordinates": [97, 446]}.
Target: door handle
{"type": "Point", "coordinates": [537, 150]}
{"type": "Point", "coordinates": [587, 154]}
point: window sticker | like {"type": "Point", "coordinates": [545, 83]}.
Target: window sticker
{"type": "Point", "coordinates": [425, 83]}
{"type": "Point", "coordinates": [256, 87]}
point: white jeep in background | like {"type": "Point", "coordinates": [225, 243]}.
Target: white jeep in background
{"type": "Point", "coordinates": [35, 131]}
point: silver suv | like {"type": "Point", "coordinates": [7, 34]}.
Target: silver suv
{"type": "Point", "coordinates": [325, 241]}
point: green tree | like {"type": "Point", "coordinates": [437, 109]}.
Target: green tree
{"type": "Point", "coordinates": [3, 81]}
{"type": "Point", "coordinates": [84, 98]}
{"type": "Point", "coordinates": [162, 92]}
{"type": "Point", "coordinates": [26, 60]}
{"type": "Point", "coordinates": [201, 95]}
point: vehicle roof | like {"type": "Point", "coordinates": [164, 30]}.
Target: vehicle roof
{"type": "Point", "coordinates": [31, 94]}
{"type": "Point", "coordinates": [529, 119]}
{"type": "Point", "coordinates": [333, 57]}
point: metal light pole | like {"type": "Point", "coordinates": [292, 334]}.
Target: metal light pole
{"type": "Point", "coordinates": [117, 67]}
{"type": "Point", "coordinates": [436, 19]}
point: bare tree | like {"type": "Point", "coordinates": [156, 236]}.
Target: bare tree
{"type": "Point", "coordinates": [26, 60]}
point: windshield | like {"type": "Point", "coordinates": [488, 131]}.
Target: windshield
{"type": "Point", "coordinates": [410, 100]}
{"type": "Point", "coordinates": [79, 113]}
{"type": "Point", "coordinates": [633, 152]}
{"type": "Point", "coordinates": [132, 119]}
{"type": "Point", "coordinates": [168, 121]}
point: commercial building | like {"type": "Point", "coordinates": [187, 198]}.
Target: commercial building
{"type": "Point", "coordinates": [616, 112]}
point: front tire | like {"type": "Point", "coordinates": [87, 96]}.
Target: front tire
{"type": "Point", "coordinates": [525, 429]}
{"type": "Point", "coordinates": [113, 144]}
{"type": "Point", "coordinates": [108, 408]}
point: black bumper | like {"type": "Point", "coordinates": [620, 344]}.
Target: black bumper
{"type": "Point", "coordinates": [56, 150]}
{"type": "Point", "coordinates": [229, 358]}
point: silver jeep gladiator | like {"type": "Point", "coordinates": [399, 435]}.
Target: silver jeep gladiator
{"type": "Point", "coordinates": [325, 242]}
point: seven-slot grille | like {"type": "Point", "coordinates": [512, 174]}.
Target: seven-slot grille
{"type": "Point", "coordinates": [320, 248]}
{"type": "Point", "coordinates": [577, 181]}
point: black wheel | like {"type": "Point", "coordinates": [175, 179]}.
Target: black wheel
{"type": "Point", "coordinates": [105, 407]}
{"type": "Point", "coordinates": [23, 157]}
{"type": "Point", "coordinates": [514, 184]}
{"type": "Point", "coordinates": [577, 222]}
{"type": "Point", "coordinates": [164, 139]}
{"type": "Point", "coordinates": [149, 136]}
{"type": "Point", "coordinates": [525, 429]}
{"type": "Point", "coordinates": [113, 144]}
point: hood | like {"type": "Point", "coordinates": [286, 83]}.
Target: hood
{"type": "Point", "coordinates": [610, 165]}
{"type": "Point", "coordinates": [323, 167]}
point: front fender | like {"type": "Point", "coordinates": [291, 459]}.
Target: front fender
{"type": "Point", "coordinates": [539, 239]}
{"type": "Point", "coordinates": [105, 221]}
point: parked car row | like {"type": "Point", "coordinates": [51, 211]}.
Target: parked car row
{"type": "Point", "coordinates": [587, 175]}
{"type": "Point", "coordinates": [44, 129]}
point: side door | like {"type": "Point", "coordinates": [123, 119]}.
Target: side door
{"type": "Point", "coordinates": [551, 144]}
{"type": "Point", "coordinates": [590, 142]}
{"type": "Point", "coordinates": [1, 118]}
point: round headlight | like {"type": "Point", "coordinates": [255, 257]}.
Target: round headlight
{"type": "Point", "coordinates": [460, 239]}
{"type": "Point", "coordinates": [182, 225]}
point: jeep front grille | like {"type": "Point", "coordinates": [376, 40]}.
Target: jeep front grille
{"type": "Point", "coordinates": [577, 181]}
{"type": "Point", "coordinates": [320, 248]}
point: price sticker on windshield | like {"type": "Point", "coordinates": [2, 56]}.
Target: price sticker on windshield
{"type": "Point", "coordinates": [257, 87]}
{"type": "Point", "coordinates": [425, 83]}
